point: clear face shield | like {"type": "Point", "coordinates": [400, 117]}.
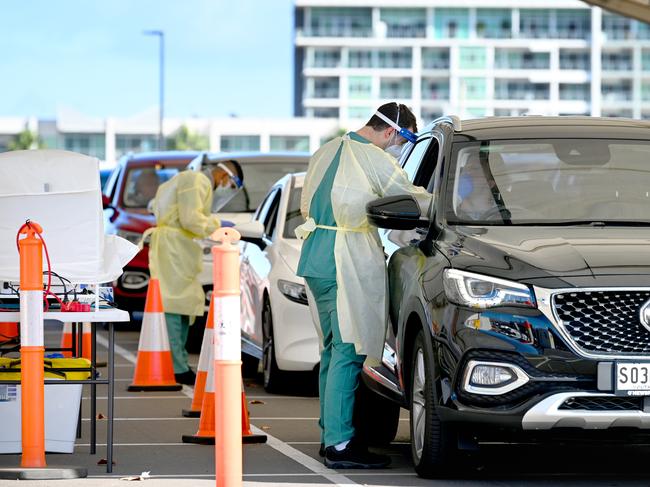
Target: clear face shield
{"type": "Point", "coordinates": [394, 148]}
{"type": "Point", "coordinates": [227, 189]}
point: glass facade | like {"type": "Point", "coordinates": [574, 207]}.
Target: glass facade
{"type": "Point", "coordinates": [493, 23]}
{"type": "Point", "coordinates": [534, 23]}
{"type": "Point", "coordinates": [575, 91]}
{"type": "Point", "coordinates": [520, 90]}
{"type": "Point", "coordinates": [326, 58]}
{"type": "Point", "coordinates": [619, 60]}
{"type": "Point", "coordinates": [435, 58]}
{"type": "Point", "coordinates": [89, 144]}
{"type": "Point", "coordinates": [134, 143]}
{"type": "Point", "coordinates": [473, 58]}
{"type": "Point", "coordinates": [451, 23]}
{"type": "Point", "coordinates": [340, 22]}
{"type": "Point", "coordinates": [399, 88]}
{"type": "Point", "coordinates": [521, 59]}
{"type": "Point", "coordinates": [232, 143]}
{"type": "Point", "coordinates": [360, 87]}
{"type": "Point", "coordinates": [575, 59]}
{"type": "Point", "coordinates": [473, 88]}
{"type": "Point", "coordinates": [289, 143]}
{"type": "Point", "coordinates": [616, 90]}
{"type": "Point", "coordinates": [404, 22]}
{"type": "Point", "coordinates": [326, 88]}
{"type": "Point", "coordinates": [435, 89]}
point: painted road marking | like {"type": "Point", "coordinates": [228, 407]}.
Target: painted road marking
{"type": "Point", "coordinates": [290, 452]}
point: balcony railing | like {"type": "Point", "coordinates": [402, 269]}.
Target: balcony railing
{"type": "Point", "coordinates": [617, 65]}
{"type": "Point", "coordinates": [617, 95]}
{"type": "Point", "coordinates": [336, 31]}
{"type": "Point", "coordinates": [393, 93]}
{"type": "Point", "coordinates": [406, 31]}
{"type": "Point", "coordinates": [433, 94]}
{"type": "Point", "coordinates": [323, 93]}
{"type": "Point", "coordinates": [522, 63]}
{"type": "Point", "coordinates": [435, 63]}
{"type": "Point", "coordinates": [521, 94]}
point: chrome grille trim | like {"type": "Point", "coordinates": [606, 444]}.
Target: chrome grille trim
{"type": "Point", "coordinates": [545, 300]}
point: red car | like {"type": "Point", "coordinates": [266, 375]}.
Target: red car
{"type": "Point", "coordinates": [130, 187]}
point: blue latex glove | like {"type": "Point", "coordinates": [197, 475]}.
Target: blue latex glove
{"type": "Point", "coordinates": [226, 223]}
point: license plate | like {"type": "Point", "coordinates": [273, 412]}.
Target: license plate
{"type": "Point", "coordinates": [632, 379]}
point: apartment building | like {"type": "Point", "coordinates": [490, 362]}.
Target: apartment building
{"type": "Point", "coordinates": [472, 58]}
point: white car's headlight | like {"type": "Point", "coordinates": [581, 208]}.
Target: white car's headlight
{"type": "Point", "coordinates": [480, 292]}
{"type": "Point", "coordinates": [133, 237]}
{"type": "Point", "coordinates": [293, 291]}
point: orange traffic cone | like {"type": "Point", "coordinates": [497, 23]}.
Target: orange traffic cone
{"type": "Point", "coordinates": [247, 435]}
{"type": "Point", "coordinates": [8, 331]}
{"type": "Point", "coordinates": [154, 370]}
{"type": "Point", "coordinates": [205, 433]}
{"type": "Point", "coordinates": [66, 339]}
{"type": "Point", "coordinates": [205, 359]}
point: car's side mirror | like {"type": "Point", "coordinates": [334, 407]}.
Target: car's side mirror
{"type": "Point", "coordinates": [252, 232]}
{"type": "Point", "coordinates": [396, 213]}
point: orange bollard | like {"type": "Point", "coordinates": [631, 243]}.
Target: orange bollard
{"type": "Point", "coordinates": [227, 358]}
{"type": "Point", "coordinates": [32, 347]}
{"type": "Point", "coordinates": [205, 433]}
{"type": "Point", "coordinates": [205, 359]}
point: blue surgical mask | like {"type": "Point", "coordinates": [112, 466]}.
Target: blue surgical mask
{"type": "Point", "coordinates": [465, 186]}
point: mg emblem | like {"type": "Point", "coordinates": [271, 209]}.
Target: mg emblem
{"type": "Point", "coordinates": [644, 315]}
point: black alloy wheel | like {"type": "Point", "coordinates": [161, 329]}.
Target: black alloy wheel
{"type": "Point", "coordinates": [433, 443]}
{"type": "Point", "coordinates": [273, 376]}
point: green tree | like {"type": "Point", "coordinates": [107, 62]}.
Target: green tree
{"type": "Point", "coordinates": [183, 139]}
{"type": "Point", "coordinates": [334, 135]}
{"type": "Point", "coordinates": [25, 140]}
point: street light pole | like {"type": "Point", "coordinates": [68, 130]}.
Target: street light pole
{"type": "Point", "coordinates": [161, 103]}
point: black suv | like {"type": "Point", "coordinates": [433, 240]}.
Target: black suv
{"type": "Point", "coordinates": [520, 305]}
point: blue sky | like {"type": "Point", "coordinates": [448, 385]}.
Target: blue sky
{"type": "Point", "coordinates": [222, 57]}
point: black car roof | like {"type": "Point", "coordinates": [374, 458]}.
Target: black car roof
{"type": "Point", "coordinates": [552, 127]}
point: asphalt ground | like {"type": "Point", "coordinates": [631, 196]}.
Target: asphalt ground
{"type": "Point", "coordinates": [149, 427]}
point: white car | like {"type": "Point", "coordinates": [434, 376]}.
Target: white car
{"type": "Point", "coordinates": [261, 170]}
{"type": "Point", "coordinates": [277, 326]}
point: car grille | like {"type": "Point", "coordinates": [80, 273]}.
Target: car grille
{"type": "Point", "coordinates": [604, 322]}
{"type": "Point", "coordinates": [603, 404]}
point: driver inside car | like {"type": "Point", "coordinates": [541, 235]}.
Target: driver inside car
{"type": "Point", "coordinates": [473, 194]}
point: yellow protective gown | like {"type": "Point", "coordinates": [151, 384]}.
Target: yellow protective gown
{"type": "Point", "coordinates": [365, 173]}
{"type": "Point", "coordinates": [182, 209]}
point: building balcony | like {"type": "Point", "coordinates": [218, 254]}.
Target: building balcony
{"type": "Point", "coordinates": [435, 95]}
{"type": "Point", "coordinates": [522, 64]}
{"type": "Point", "coordinates": [395, 94]}
{"type": "Point", "coordinates": [323, 94]}
{"type": "Point", "coordinates": [406, 31]}
{"type": "Point", "coordinates": [336, 31]}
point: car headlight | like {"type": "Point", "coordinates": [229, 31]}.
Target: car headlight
{"type": "Point", "coordinates": [293, 291]}
{"type": "Point", "coordinates": [480, 292]}
{"type": "Point", "coordinates": [133, 237]}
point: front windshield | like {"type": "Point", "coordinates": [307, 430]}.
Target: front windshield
{"type": "Point", "coordinates": [258, 178]}
{"type": "Point", "coordinates": [294, 217]}
{"type": "Point", "coordinates": [548, 181]}
{"type": "Point", "coordinates": [142, 184]}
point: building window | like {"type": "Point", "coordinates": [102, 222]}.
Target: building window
{"type": "Point", "coordinates": [231, 143]}
{"type": "Point", "coordinates": [475, 112]}
{"type": "Point", "coordinates": [428, 115]}
{"type": "Point", "coordinates": [575, 59]}
{"type": "Point", "coordinates": [534, 23]}
{"type": "Point", "coordinates": [451, 23]}
{"type": "Point", "coordinates": [616, 27]}
{"type": "Point", "coordinates": [395, 88]}
{"type": "Point", "coordinates": [473, 58]}
{"type": "Point", "coordinates": [134, 143]}
{"type": "Point", "coordinates": [520, 90]}
{"type": "Point", "coordinates": [617, 60]}
{"type": "Point", "coordinates": [521, 59]}
{"type": "Point", "coordinates": [341, 22]}
{"type": "Point", "coordinates": [326, 58]}
{"type": "Point", "coordinates": [395, 58]}
{"type": "Point", "coordinates": [361, 113]}
{"type": "Point", "coordinates": [435, 89]}
{"type": "Point", "coordinates": [325, 112]}
{"type": "Point", "coordinates": [617, 90]}
{"type": "Point", "coordinates": [89, 144]}
{"type": "Point", "coordinates": [404, 22]}
{"type": "Point", "coordinates": [326, 88]}
{"type": "Point", "coordinates": [290, 143]}
{"type": "Point", "coordinates": [360, 87]}
{"type": "Point", "coordinates": [625, 113]}
{"type": "Point", "coordinates": [573, 23]}
{"type": "Point", "coordinates": [573, 91]}
{"type": "Point", "coordinates": [645, 60]}
{"type": "Point", "coordinates": [434, 58]}
{"type": "Point", "coordinates": [493, 23]}
{"type": "Point", "coordinates": [360, 58]}
{"type": "Point", "coordinates": [473, 88]}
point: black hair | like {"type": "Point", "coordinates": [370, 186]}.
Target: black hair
{"type": "Point", "coordinates": [390, 110]}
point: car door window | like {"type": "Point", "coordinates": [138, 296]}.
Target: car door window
{"type": "Point", "coordinates": [272, 215]}
{"type": "Point", "coordinates": [111, 184]}
{"type": "Point", "coordinates": [412, 164]}
{"type": "Point", "coordinates": [262, 210]}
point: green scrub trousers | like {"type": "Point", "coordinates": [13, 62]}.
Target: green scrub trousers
{"type": "Point", "coordinates": [178, 327]}
{"type": "Point", "coordinates": [339, 363]}
{"type": "Point", "coordinates": [339, 368]}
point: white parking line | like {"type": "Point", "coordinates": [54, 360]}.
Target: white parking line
{"type": "Point", "coordinates": [287, 450]}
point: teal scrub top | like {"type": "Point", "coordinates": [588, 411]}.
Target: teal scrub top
{"type": "Point", "coordinates": [317, 255]}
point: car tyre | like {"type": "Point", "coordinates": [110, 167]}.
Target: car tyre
{"type": "Point", "coordinates": [433, 443]}
{"type": "Point", "coordinates": [375, 418]}
{"type": "Point", "coordinates": [273, 376]}
{"type": "Point", "coordinates": [249, 365]}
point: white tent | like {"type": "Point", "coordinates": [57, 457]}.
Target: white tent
{"type": "Point", "coordinates": [60, 191]}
